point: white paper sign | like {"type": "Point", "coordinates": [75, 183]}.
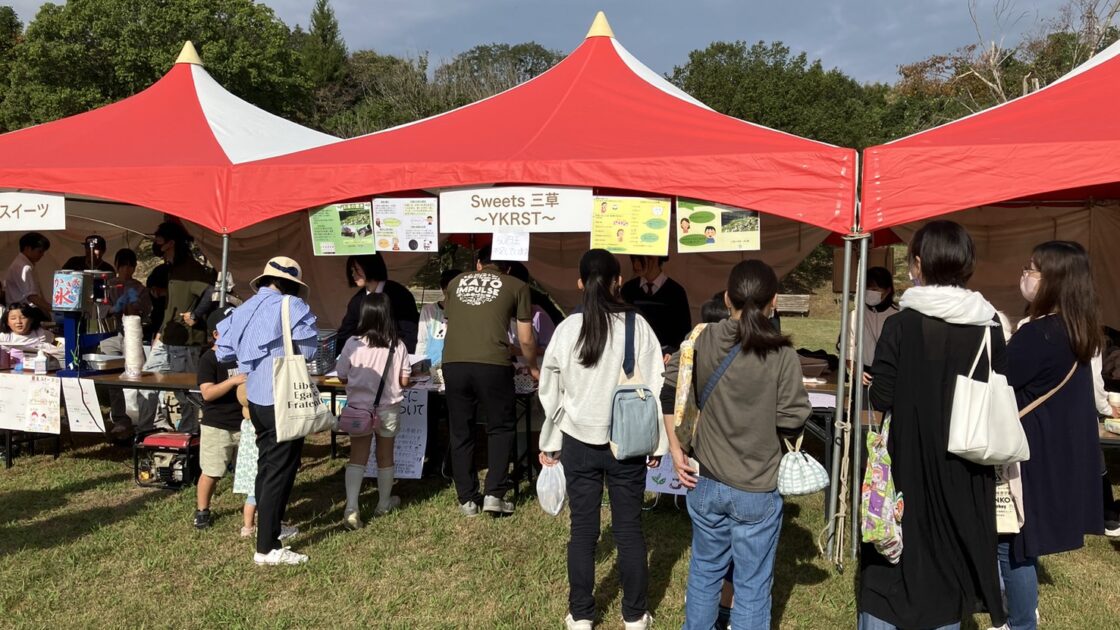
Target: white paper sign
{"type": "Point", "coordinates": [13, 401]}
{"type": "Point", "coordinates": [42, 413]}
{"type": "Point", "coordinates": [510, 246]}
{"type": "Point", "coordinates": [412, 439]}
{"type": "Point", "coordinates": [664, 478]}
{"type": "Point", "coordinates": [82, 410]}
{"type": "Point", "coordinates": [822, 400]}
{"type": "Point", "coordinates": [406, 225]}
{"type": "Point", "coordinates": [504, 208]}
{"type": "Point", "coordinates": [23, 212]}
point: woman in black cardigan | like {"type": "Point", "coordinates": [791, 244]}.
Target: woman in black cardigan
{"type": "Point", "coordinates": [370, 275]}
{"type": "Point", "coordinates": [1061, 480]}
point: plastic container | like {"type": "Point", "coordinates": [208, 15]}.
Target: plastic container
{"type": "Point", "coordinates": [16, 358]}
{"type": "Point", "coordinates": [40, 363]}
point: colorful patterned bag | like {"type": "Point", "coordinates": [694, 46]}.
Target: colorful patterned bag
{"type": "Point", "coordinates": [881, 504]}
{"type": "Point", "coordinates": [685, 411]}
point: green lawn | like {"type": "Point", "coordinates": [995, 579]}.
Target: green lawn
{"type": "Point", "coordinates": [83, 547]}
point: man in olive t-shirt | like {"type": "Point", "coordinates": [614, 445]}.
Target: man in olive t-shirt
{"type": "Point", "coordinates": [477, 368]}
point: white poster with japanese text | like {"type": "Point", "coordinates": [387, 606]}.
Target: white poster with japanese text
{"type": "Point", "coordinates": [515, 208]}
{"type": "Point", "coordinates": [406, 225]}
{"type": "Point", "coordinates": [25, 212]}
{"type": "Point", "coordinates": [510, 246]}
{"type": "Point", "coordinates": [412, 439]}
{"type": "Point", "coordinates": [83, 412]}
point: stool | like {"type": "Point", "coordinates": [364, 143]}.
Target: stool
{"type": "Point", "coordinates": [165, 460]}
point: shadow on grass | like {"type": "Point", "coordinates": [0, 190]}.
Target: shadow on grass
{"type": "Point", "coordinates": [794, 565]}
{"type": "Point", "coordinates": [20, 505]}
{"type": "Point", "coordinates": [69, 527]}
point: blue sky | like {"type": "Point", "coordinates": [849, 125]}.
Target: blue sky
{"type": "Point", "coordinates": [867, 39]}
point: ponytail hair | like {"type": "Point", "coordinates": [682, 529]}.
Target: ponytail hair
{"type": "Point", "coordinates": [599, 271]}
{"type": "Point", "coordinates": [750, 289]}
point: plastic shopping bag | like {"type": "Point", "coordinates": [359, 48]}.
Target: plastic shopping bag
{"type": "Point", "coordinates": [552, 489]}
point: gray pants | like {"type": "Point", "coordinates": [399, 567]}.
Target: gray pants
{"type": "Point", "coordinates": [130, 407]}
{"type": "Point", "coordinates": [169, 359]}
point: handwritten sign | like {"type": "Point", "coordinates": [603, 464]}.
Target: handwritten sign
{"type": "Point", "coordinates": [412, 439]}
{"type": "Point", "coordinates": [82, 410]}
{"type": "Point", "coordinates": [664, 479]}
{"type": "Point", "coordinates": [523, 208]}
{"type": "Point", "coordinates": [43, 414]}
{"type": "Point", "coordinates": [406, 225]}
{"type": "Point", "coordinates": [510, 246]}
{"type": "Point", "coordinates": [22, 212]}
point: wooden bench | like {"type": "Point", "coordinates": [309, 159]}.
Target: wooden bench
{"type": "Point", "coordinates": [790, 303]}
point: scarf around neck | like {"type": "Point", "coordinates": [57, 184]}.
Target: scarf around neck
{"type": "Point", "coordinates": [954, 305]}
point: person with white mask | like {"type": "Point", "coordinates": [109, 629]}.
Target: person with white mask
{"type": "Point", "coordinates": [878, 302]}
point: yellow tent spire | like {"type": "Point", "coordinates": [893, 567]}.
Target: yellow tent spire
{"type": "Point", "coordinates": [190, 55]}
{"type": "Point", "coordinates": [600, 27]}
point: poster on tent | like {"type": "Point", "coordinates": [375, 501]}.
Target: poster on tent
{"type": "Point", "coordinates": [343, 229]}
{"type": "Point", "coordinates": [406, 224]}
{"type": "Point", "coordinates": [713, 227]}
{"type": "Point", "coordinates": [485, 210]}
{"type": "Point", "coordinates": [24, 212]}
{"type": "Point", "coordinates": [631, 225]}
{"type": "Point", "coordinates": [664, 478]}
{"type": "Point", "coordinates": [412, 439]}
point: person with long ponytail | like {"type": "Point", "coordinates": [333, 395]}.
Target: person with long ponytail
{"type": "Point", "coordinates": [758, 398]}
{"type": "Point", "coordinates": [580, 372]}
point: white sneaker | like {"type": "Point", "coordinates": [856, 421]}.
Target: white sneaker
{"type": "Point", "coordinates": [497, 506]}
{"type": "Point", "coordinates": [394, 503]}
{"type": "Point", "coordinates": [278, 557]}
{"type": "Point", "coordinates": [287, 531]}
{"type": "Point", "coordinates": [469, 509]}
{"type": "Point", "coordinates": [352, 521]}
{"type": "Point", "coordinates": [573, 624]}
{"type": "Point", "coordinates": [642, 624]}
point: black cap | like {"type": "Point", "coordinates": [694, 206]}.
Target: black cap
{"type": "Point", "coordinates": [98, 242]}
{"type": "Point", "coordinates": [216, 317]}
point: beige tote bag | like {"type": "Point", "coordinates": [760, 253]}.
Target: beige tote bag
{"type": "Point", "coordinates": [299, 408]}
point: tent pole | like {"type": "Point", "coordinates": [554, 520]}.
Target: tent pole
{"type": "Point", "coordinates": [838, 413]}
{"type": "Point", "coordinates": [857, 387]}
{"type": "Point", "coordinates": [225, 270]}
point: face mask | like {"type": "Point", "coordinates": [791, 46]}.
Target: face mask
{"type": "Point", "coordinates": [1028, 286]}
{"type": "Point", "coordinates": [872, 298]}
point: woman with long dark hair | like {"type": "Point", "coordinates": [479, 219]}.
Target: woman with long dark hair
{"type": "Point", "coordinates": [1049, 357]}
{"type": "Point", "coordinates": [374, 365]}
{"type": "Point", "coordinates": [947, 567]}
{"type": "Point", "coordinates": [733, 500]}
{"type": "Point", "coordinates": [578, 378]}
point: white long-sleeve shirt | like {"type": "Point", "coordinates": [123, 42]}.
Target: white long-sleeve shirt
{"type": "Point", "coordinates": [577, 400]}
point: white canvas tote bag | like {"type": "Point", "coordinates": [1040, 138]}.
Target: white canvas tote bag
{"type": "Point", "coordinates": [299, 408]}
{"type": "Point", "coordinates": [984, 426]}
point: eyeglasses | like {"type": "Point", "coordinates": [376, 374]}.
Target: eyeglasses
{"type": "Point", "coordinates": [1029, 270]}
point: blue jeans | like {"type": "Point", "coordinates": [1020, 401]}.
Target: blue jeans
{"type": "Point", "coordinates": [867, 622]}
{"type": "Point", "coordinates": [1020, 583]}
{"type": "Point", "coordinates": [731, 525]}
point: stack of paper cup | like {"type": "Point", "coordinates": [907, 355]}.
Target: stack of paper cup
{"type": "Point", "coordinates": [133, 345]}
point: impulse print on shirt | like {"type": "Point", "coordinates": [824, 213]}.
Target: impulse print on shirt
{"type": "Point", "coordinates": [476, 289]}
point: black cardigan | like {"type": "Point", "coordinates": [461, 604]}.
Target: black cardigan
{"type": "Point", "coordinates": [405, 315]}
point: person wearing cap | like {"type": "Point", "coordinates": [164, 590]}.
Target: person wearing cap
{"type": "Point", "coordinates": [183, 342]}
{"type": "Point", "coordinates": [221, 419]}
{"type": "Point", "coordinates": [253, 335]}
{"type": "Point", "coordinates": [92, 259]}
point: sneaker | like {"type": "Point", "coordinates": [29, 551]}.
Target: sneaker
{"type": "Point", "coordinates": [352, 521]}
{"type": "Point", "coordinates": [642, 624]}
{"type": "Point", "coordinates": [394, 503]}
{"type": "Point", "coordinates": [201, 519]}
{"type": "Point", "coordinates": [497, 506]}
{"type": "Point", "coordinates": [248, 531]}
{"type": "Point", "coordinates": [278, 557]}
{"type": "Point", "coordinates": [1112, 529]}
{"type": "Point", "coordinates": [580, 624]}
{"type": "Point", "coordinates": [287, 531]}
{"type": "Point", "coordinates": [470, 508]}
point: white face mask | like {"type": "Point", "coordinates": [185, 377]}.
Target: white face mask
{"type": "Point", "coordinates": [872, 298]}
{"type": "Point", "coordinates": [1028, 286]}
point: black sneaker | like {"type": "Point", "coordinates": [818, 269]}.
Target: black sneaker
{"type": "Point", "coordinates": [201, 519]}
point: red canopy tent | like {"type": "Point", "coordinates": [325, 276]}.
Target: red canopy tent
{"type": "Point", "coordinates": [598, 118]}
{"type": "Point", "coordinates": [169, 148]}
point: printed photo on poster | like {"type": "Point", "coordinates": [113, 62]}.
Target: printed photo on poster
{"type": "Point", "coordinates": [406, 224]}
{"type": "Point", "coordinates": [713, 227]}
{"type": "Point", "coordinates": [343, 229]}
{"type": "Point", "coordinates": [631, 225]}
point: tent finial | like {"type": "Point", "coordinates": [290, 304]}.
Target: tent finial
{"type": "Point", "coordinates": [600, 27]}
{"type": "Point", "coordinates": [189, 55]}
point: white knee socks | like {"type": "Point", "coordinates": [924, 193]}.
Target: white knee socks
{"type": "Point", "coordinates": [385, 485]}
{"type": "Point", "coordinates": [354, 475]}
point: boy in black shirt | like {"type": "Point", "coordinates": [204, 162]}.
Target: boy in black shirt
{"type": "Point", "coordinates": [221, 420]}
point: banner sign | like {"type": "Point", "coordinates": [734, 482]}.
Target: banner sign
{"type": "Point", "coordinates": [510, 246]}
{"type": "Point", "coordinates": [26, 212]}
{"type": "Point", "coordinates": [713, 227]}
{"type": "Point", "coordinates": [631, 225]}
{"type": "Point", "coordinates": [343, 229]}
{"type": "Point", "coordinates": [406, 225]}
{"type": "Point", "coordinates": [515, 208]}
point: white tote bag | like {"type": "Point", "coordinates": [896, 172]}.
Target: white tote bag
{"type": "Point", "coordinates": [984, 426]}
{"type": "Point", "coordinates": [299, 408]}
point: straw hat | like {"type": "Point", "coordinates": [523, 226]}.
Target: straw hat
{"type": "Point", "coordinates": [282, 267]}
